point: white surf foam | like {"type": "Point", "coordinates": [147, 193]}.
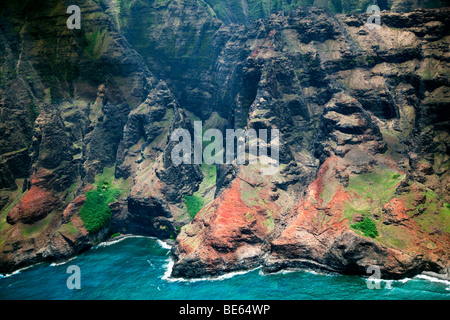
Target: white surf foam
{"type": "Point", "coordinates": [169, 267]}
{"type": "Point", "coordinates": [54, 264]}
{"type": "Point", "coordinates": [163, 244]}
{"type": "Point", "coordinates": [119, 238]}
{"type": "Point", "coordinates": [293, 270]}
{"type": "Point", "coordinates": [433, 279]}
{"type": "Point", "coordinates": [405, 280]}
{"type": "Point", "coordinates": [6, 275]}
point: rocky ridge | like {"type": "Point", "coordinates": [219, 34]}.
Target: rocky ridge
{"type": "Point", "coordinates": [362, 153]}
{"type": "Point", "coordinates": [362, 117]}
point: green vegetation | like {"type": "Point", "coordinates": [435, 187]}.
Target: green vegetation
{"type": "Point", "coordinates": [349, 211]}
{"type": "Point", "coordinates": [429, 69]}
{"type": "Point", "coordinates": [367, 226]}
{"type": "Point", "coordinates": [97, 43]}
{"type": "Point", "coordinates": [395, 176]}
{"type": "Point", "coordinates": [375, 188]}
{"type": "Point", "coordinates": [70, 192]}
{"type": "Point", "coordinates": [370, 192]}
{"type": "Point", "coordinates": [115, 235]}
{"type": "Point", "coordinates": [349, 6]}
{"type": "Point", "coordinates": [336, 6]}
{"type": "Point", "coordinates": [123, 185]}
{"type": "Point", "coordinates": [205, 192]}
{"type": "Point", "coordinates": [33, 230]}
{"type": "Point", "coordinates": [95, 212]}
{"type": "Point", "coordinates": [250, 196]}
{"type": "Point", "coordinates": [33, 111]}
{"type": "Point", "coordinates": [204, 195]}
{"type": "Point", "coordinates": [68, 228]}
{"type": "Point", "coordinates": [15, 196]}
{"type": "Point", "coordinates": [244, 11]}
{"type": "Point", "coordinates": [270, 222]}
{"type": "Point", "coordinates": [194, 204]}
{"type": "Point", "coordinates": [4, 236]}
{"type": "Point", "coordinates": [209, 175]}
{"type": "Point", "coordinates": [14, 152]}
{"type": "Point", "coordinates": [161, 2]}
{"type": "Point", "coordinates": [328, 193]}
{"type": "Point", "coordinates": [431, 215]}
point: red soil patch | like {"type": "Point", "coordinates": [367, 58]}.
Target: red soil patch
{"type": "Point", "coordinates": [265, 49]}
{"type": "Point", "coordinates": [229, 224]}
{"type": "Point", "coordinates": [41, 177]}
{"type": "Point", "coordinates": [35, 205]}
{"type": "Point", "coordinates": [310, 216]}
{"type": "Point", "coordinates": [234, 219]}
{"type": "Point", "coordinates": [74, 207]}
{"type": "Point", "coordinates": [395, 212]}
{"type": "Point", "coordinates": [88, 187]}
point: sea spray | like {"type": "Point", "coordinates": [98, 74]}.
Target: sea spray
{"type": "Point", "coordinates": [433, 279]}
{"type": "Point", "coordinates": [119, 239]}
{"type": "Point", "coordinates": [55, 264]}
{"type": "Point", "coordinates": [169, 266]}
{"type": "Point", "coordinates": [163, 244]}
{"type": "Point", "coordinates": [134, 269]}
{"type": "Point", "coordinates": [18, 271]}
{"type": "Point", "coordinates": [294, 270]}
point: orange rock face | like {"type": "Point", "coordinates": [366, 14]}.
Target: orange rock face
{"type": "Point", "coordinates": [316, 233]}
{"type": "Point", "coordinates": [319, 235]}
{"type": "Point", "coordinates": [396, 212]}
{"type": "Point", "coordinates": [73, 207]}
{"type": "Point", "coordinates": [35, 205]}
{"type": "Point", "coordinates": [230, 232]}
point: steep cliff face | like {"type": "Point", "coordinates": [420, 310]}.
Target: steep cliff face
{"type": "Point", "coordinates": [354, 125]}
{"type": "Point", "coordinates": [87, 114]}
{"type": "Point", "coordinates": [66, 95]}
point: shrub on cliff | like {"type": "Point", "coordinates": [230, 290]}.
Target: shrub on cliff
{"type": "Point", "coordinates": [95, 212]}
{"type": "Point", "coordinates": [194, 204]}
{"type": "Point", "coordinates": [367, 226]}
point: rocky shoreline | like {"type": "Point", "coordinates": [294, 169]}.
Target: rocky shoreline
{"type": "Point", "coordinates": [303, 265]}
{"type": "Point", "coordinates": [364, 166]}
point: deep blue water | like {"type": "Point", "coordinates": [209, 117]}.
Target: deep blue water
{"type": "Point", "coordinates": [136, 268]}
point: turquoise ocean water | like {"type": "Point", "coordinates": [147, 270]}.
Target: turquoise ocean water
{"type": "Point", "coordinates": [138, 268]}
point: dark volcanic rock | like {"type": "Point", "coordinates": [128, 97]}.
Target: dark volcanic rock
{"type": "Point", "coordinates": [357, 134]}
{"type": "Point", "coordinates": [363, 173]}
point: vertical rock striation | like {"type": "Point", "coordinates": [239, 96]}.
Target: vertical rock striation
{"type": "Point", "coordinates": [363, 177]}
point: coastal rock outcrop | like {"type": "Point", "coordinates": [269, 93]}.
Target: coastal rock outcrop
{"type": "Point", "coordinates": [356, 210]}
{"type": "Point", "coordinates": [363, 173]}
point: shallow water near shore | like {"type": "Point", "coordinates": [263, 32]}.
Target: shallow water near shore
{"type": "Point", "coordinates": [138, 268]}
